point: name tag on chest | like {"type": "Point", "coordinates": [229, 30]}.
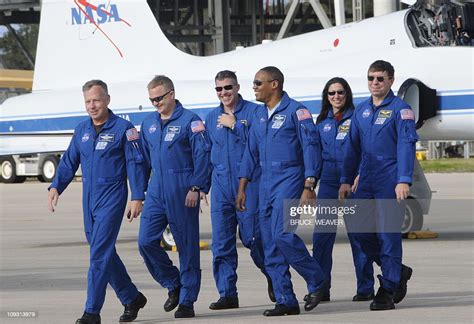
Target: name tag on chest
{"type": "Point", "coordinates": [171, 132]}
{"type": "Point", "coordinates": [278, 121]}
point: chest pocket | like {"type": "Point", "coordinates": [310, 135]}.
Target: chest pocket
{"type": "Point", "coordinates": [279, 124]}
{"type": "Point", "coordinates": [383, 118]}
{"type": "Point", "coordinates": [87, 144]}
{"type": "Point", "coordinates": [342, 133]}
{"type": "Point", "coordinates": [327, 131]}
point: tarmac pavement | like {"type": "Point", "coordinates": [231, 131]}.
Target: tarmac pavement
{"type": "Point", "coordinates": [44, 262]}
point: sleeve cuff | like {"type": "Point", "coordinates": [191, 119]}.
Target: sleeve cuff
{"type": "Point", "coordinates": [405, 179]}
{"type": "Point", "coordinates": [310, 173]}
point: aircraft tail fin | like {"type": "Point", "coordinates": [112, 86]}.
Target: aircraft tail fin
{"type": "Point", "coordinates": [118, 40]}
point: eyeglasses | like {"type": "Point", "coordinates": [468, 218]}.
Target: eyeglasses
{"type": "Point", "coordinates": [226, 87]}
{"type": "Point", "coordinates": [258, 83]}
{"type": "Point", "coordinates": [159, 98]}
{"type": "Point", "coordinates": [379, 78]}
{"type": "Point", "coordinates": [339, 92]}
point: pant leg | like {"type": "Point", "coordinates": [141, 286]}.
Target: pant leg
{"type": "Point", "coordinates": [390, 217]}
{"type": "Point", "coordinates": [293, 249]}
{"type": "Point", "coordinates": [120, 281]}
{"type": "Point", "coordinates": [102, 240]}
{"type": "Point", "coordinates": [364, 269]}
{"type": "Point", "coordinates": [324, 235]}
{"type": "Point", "coordinates": [184, 224]}
{"type": "Point", "coordinates": [275, 264]}
{"type": "Point", "coordinates": [152, 224]}
{"type": "Point", "coordinates": [249, 226]}
{"type": "Point", "coordinates": [224, 250]}
{"type": "Point", "coordinates": [249, 233]}
{"type": "Point", "coordinates": [288, 243]}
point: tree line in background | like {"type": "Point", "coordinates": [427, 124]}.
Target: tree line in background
{"type": "Point", "coordinates": [11, 55]}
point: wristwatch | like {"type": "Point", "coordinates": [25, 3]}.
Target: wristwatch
{"type": "Point", "coordinates": [194, 189]}
{"type": "Point", "coordinates": [311, 180]}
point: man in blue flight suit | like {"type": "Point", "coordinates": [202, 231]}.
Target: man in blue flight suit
{"type": "Point", "coordinates": [228, 128]}
{"type": "Point", "coordinates": [283, 141]}
{"type": "Point", "coordinates": [176, 147]}
{"type": "Point", "coordinates": [382, 141]}
{"type": "Point", "coordinates": [107, 148]}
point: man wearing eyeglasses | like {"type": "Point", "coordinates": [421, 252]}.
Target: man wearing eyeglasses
{"type": "Point", "coordinates": [228, 127]}
{"type": "Point", "coordinates": [381, 145]}
{"type": "Point", "coordinates": [283, 141]}
{"type": "Point", "coordinates": [176, 147]}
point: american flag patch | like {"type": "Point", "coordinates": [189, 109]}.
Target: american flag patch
{"type": "Point", "coordinates": [197, 126]}
{"type": "Point", "coordinates": [407, 114]}
{"type": "Point", "coordinates": [303, 114]}
{"type": "Point", "coordinates": [132, 134]}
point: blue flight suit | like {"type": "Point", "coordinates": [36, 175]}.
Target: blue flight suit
{"type": "Point", "coordinates": [382, 141]}
{"type": "Point", "coordinates": [178, 154]}
{"type": "Point", "coordinates": [106, 159]}
{"type": "Point", "coordinates": [285, 146]}
{"type": "Point", "coordinates": [332, 135]}
{"type": "Point", "coordinates": [226, 154]}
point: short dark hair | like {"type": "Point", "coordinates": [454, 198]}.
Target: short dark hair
{"type": "Point", "coordinates": [89, 84]}
{"type": "Point", "coordinates": [226, 74]}
{"type": "Point", "coordinates": [161, 80]}
{"type": "Point", "coordinates": [325, 105]}
{"type": "Point", "coordinates": [275, 74]}
{"type": "Point", "coordinates": [382, 66]}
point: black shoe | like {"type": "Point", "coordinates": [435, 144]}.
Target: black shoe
{"type": "Point", "coordinates": [363, 297]}
{"type": "Point", "coordinates": [173, 300]}
{"type": "Point", "coordinates": [401, 292]}
{"type": "Point", "coordinates": [281, 310]}
{"type": "Point", "coordinates": [131, 310]}
{"type": "Point", "coordinates": [88, 318]}
{"type": "Point", "coordinates": [271, 294]}
{"type": "Point", "coordinates": [315, 298]}
{"type": "Point", "coordinates": [326, 297]}
{"type": "Point", "coordinates": [225, 303]}
{"type": "Point", "coordinates": [184, 312]}
{"type": "Point", "coordinates": [382, 301]}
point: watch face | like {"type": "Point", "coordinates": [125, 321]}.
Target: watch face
{"type": "Point", "coordinates": [311, 179]}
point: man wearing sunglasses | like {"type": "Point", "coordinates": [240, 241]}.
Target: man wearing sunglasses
{"type": "Point", "coordinates": [176, 147]}
{"type": "Point", "coordinates": [282, 141]}
{"type": "Point", "coordinates": [228, 127]}
{"type": "Point", "coordinates": [381, 145]}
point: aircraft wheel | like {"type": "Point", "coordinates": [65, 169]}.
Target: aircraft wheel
{"type": "Point", "coordinates": [167, 240]}
{"type": "Point", "coordinates": [413, 220]}
{"type": "Point", "coordinates": [48, 169]}
{"type": "Point", "coordinates": [8, 171]}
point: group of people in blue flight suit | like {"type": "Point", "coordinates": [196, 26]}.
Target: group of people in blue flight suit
{"type": "Point", "coordinates": [253, 158]}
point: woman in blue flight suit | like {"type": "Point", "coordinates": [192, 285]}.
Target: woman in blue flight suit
{"type": "Point", "coordinates": [333, 125]}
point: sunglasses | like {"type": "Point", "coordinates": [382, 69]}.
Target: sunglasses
{"type": "Point", "coordinates": [159, 98]}
{"type": "Point", "coordinates": [258, 83]}
{"type": "Point", "coordinates": [226, 87]}
{"type": "Point", "coordinates": [339, 92]}
{"type": "Point", "coordinates": [379, 78]}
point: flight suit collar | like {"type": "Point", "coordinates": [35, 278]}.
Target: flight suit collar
{"type": "Point", "coordinates": [347, 114]}
{"type": "Point", "coordinates": [386, 101]}
{"type": "Point", "coordinates": [284, 102]}
{"type": "Point", "coordinates": [178, 111]}
{"type": "Point", "coordinates": [238, 107]}
{"type": "Point", "coordinates": [108, 124]}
